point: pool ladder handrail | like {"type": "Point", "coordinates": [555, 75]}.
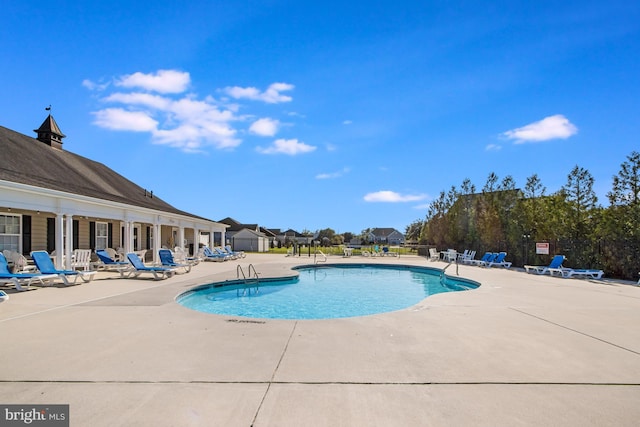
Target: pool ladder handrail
{"type": "Point", "coordinates": [442, 273]}
{"type": "Point", "coordinates": [315, 261]}
{"type": "Point", "coordinates": [255, 279]}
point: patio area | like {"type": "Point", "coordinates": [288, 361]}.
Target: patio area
{"type": "Point", "coordinates": [520, 350]}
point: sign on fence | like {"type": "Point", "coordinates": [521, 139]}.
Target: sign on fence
{"type": "Point", "coordinates": [542, 248]}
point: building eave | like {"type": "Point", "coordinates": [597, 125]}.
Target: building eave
{"type": "Point", "coordinates": [24, 196]}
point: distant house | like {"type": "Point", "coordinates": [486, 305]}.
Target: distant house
{"type": "Point", "coordinates": [52, 199]}
{"type": "Point", "coordinates": [386, 236]}
{"type": "Point", "coordinates": [291, 236]}
{"type": "Point", "coordinates": [236, 227]}
{"type": "Point", "coordinates": [250, 241]}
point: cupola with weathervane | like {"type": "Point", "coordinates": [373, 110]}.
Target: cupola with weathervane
{"type": "Point", "coordinates": [50, 133]}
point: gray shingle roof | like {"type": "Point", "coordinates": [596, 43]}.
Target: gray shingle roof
{"type": "Point", "coordinates": [28, 161]}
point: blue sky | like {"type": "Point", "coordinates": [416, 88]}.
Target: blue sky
{"type": "Point", "coordinates": [345, 115]}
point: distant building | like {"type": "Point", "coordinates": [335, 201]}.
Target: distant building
{"type": "Point", "coordinates": [291, 236]}
{"type": "Point", "coordinates": [386, 236]}
{"type": "Point", "coordinates": [236, 227]}
{"type": "Point", "coordinates": [250, 241]}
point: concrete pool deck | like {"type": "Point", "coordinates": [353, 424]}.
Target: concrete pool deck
{"type": "Point", "coordinates": [520, 350]}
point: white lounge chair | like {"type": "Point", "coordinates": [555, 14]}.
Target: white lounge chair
{"type": "Point", "coordinates": [433, 254]}
{"type": "Point", "coordinates": [115, 255]}
{"type": "Point", "coordinates": [20, 263]}
{"type": "Point", "coordinates": [81, 258]}
{"type": "Point", "coordinates": [468, 258]}
{"type": "Point", "coordinates": [463, 255]}
{"type": "Point", "coordinates": [450, 255]}
{"type": "Point", "coordinates": [182, 256]}
{"type": "Point", "coordinates": [579, 273]}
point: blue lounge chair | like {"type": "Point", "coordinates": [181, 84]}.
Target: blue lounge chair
{"type": "Point", "coordinates": [209, 255]}
{"type": "Point", "coordinates": [237, 254]}
{"type": "Point", "coordinates": [45, 266]}
{"type": "Point", "coordinates": [166, 258]}
{"type": "Point", "coordinates": [139, 268]}
{"type": "Point", "coordinates": [387, 252]}
{"type": "Point", "coordinates": [499, 261]}
{"type": "Point", "coordinates": [555, 263]}
{"type": "Point", "coordinates": [17, 279]}
{"type": "Point", "coordinates": [3, 296]}
{"type": "Point", "coordinates": [224, 254]}
{"type": "Point", "coordinates": [487, 257]}
{"type": "Point", "coordinates": [110, 264]}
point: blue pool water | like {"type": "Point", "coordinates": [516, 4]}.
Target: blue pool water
{"type": "Point", "coordinates": [325, 292]}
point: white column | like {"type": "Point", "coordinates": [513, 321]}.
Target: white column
{"type": "Point", "coordinates": [68, 247]}
{"type": "Point", "coordinates": [180, 237]}
{"type": "Point", "coordinates": [59, 240]}
{"type": "Point", "coordinates": [131, 227]}
{"type": "Point", "coordinates": [196, 240]}
{"type": "Point", "coordinates": [157, 242]}
{"type": "Point", "coordinates": [128, 237]}
{"type": "Point", "coordinates": [223, 238]}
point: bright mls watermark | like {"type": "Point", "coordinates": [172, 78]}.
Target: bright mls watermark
{"type": "Point", "coordinates": [34, 415]}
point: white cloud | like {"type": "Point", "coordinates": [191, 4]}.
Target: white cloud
{"type": "Point", "coordinates": [157, 103]}
{"type": "Point", "coordinates": [264, 127]}
{"type": "Point", "coordinates": [287, 146]}
{"type": "Point", "coordinates": [493, 147]}
{"type": "Point", "coordinates": [164, 81]}
{"type": "Point", "coordinates": [552, 127]}
{"type": "Point", "coordinates": [347, 122]}
{"type": "Point", "coordinates": [190, 138]}
{"type": "Point", "coordinates": [142, 99]}
{"type": "Point", "coordinates": [119, 119]}
{"type": "Point", "coordinates": [94, 86]}
{"type": "Point", "coordinates": [271, 96]}
{"type": "Point", "coordinates": [333, 175]}
{"type": "Point", "coordinates": [393, 197]}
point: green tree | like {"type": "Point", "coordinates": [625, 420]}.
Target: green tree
{"type": "Point", "coordinates": [580, 202]}
{"type": "Point", "coordinates": [489, 224]}
{"type": "Point", "coordinates": [325, 236]}
{"type": "Point", "coordinates": [347, 237]}
{"type": "Point", "coordinates": [436, 225]}
{"type": "Point", "coordinates": [621, 221]}
{"type": "Point", "coordinates": [570, 219]}
{"type": "Point", "coordinates": [412, 231]}
{"type": "Point", "coordinates": [528, 219]}
{"type": "Point", "coordinates": [578, 210]}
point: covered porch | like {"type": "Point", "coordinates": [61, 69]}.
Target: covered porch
{"type": "Point", "coordinates": [35, 218]}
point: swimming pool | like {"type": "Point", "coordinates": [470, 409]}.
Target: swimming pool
{"type": "Point", "coordinates": [325, 292]}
